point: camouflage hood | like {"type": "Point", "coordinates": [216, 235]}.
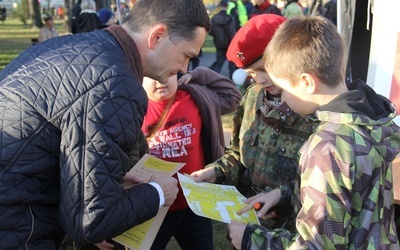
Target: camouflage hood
{"type": "Point", "coordinates": [362, 108]}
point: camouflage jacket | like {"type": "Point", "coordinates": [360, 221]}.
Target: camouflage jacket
{"type": "Point", "coordinates": [344, 194]}
{"type": "Point", "coordinates": [263, 150]}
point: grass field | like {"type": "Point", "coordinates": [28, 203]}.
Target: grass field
{"type": "Point", "coordinates": [15, 38]}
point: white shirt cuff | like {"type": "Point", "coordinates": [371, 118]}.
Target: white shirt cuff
{"type": "Point", "coordinates": [160, 192]}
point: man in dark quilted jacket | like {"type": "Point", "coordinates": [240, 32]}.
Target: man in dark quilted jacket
{"type": "Point", "coordinates": [71, 112]}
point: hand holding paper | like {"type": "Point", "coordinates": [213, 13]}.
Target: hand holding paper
{"type": "Point", "coordinates": [204, 175]}
{"type": "Point", "coordinates": [169, 186]}
{"type": "Point", "coordinates": [150, 168]}
{"type": "Point", "coordinates": [131, 179]}
{"type": "Point", "coordinates": [217, 202]}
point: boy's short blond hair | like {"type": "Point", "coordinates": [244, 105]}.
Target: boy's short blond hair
{"type": "Point", "coordinates": [308, 44]}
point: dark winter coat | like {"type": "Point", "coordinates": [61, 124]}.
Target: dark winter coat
{"type": "Point", "coordinates": [87, 21]}
{"type": "Point", "coordinates": [265, 8]}
{"type": "Point", "coordinates": [71, 111]}
{"type": "Point", "coordinates": [222, 29]}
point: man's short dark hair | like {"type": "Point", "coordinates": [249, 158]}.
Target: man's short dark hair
{"type": "Point", "coordinates": [181, 17]}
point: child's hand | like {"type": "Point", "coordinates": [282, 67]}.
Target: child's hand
{"type": "Point", "coordinates": [204, 175]}
{"type": "Point", "coordinates": [236, 231]}
{"type": "Point", "coordinates": [269, 200]}
{"type": "Point", "coordinates": [185, 79]}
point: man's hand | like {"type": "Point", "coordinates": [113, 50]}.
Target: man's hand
{"type": "Point", "coordinates": [169, 186]}
{"type": "Point", "coordinates": [104, 245]}
{"type": "Point", "coordinates": [204, 175]}
{"type": "Point", "coordinates": [131, 180]}
{"type": "Point", "coordinates": [236, 231]}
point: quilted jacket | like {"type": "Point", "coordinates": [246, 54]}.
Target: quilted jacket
{"type": "Point", "coordinates": [71, 109]}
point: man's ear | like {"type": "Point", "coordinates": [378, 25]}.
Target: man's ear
{"type": "Point", "coordinates": [156, 34]}
{"type": "Point", "coordinates": [308, 82]}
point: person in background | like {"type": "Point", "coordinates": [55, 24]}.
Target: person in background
{"type": "Point", "coordinates": [330, 11]}
{"type": "Point", "coordinates": [52, 10]}
{"type": "Point", "coordinates": [344, 190]}
{"type": "Point", "coordinates": [88, 20]}
{"type": "Point", "coordinates": [222, 30]}
{"type": "Point", "coordinates": [3, 13]}
{"type": "Point", "coordinates": [249, 7]}
{"type": "Point", "coordinates": [76, 10]}
{"type": "Point", "coordinates": [197, 103]}
{"type": "Point", "coordinates": [44, 12]}
{"type": "Point", "coordinates": [60, 12]}
{"type": "Point", "coordinates": [266, 134]}
{"type": "Point", "coordinates": [315, 9]}
{"type": "Point", "coordinates": [264, 7]}
{"type": "Point", "coordinates": [238, 11]}
{"type": "Point", "coordinates": [120, 12]}
{"type": "Point", "coordinates": [195, 61]}
{"type": "Point", "coordinates": [293, 9]}
{"type": "Point", "coordinates": [72, 109]}
{"type": "Point", "coordinates": [106, 17]}
{"type": "Point", "coordinates": [48, 30]}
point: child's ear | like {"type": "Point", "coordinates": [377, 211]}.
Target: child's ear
{"type": "Point", "coordinates": [308, 82]}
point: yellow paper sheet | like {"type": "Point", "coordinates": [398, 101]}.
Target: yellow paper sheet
{"type": "Point", "coordinates": [217, 202]}
{"type": "Point", "coordinates": [142, 236]}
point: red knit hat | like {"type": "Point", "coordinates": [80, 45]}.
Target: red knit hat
{"type": "Point", "coordinates": [249, 43]}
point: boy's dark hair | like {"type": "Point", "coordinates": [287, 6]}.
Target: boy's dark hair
{"type": "Point", "coordinates": [308, 44]}
{"type": "Point", "coordinates": [181, 17]}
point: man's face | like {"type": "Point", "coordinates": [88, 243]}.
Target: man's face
{"type": "Point", "coordinates": [260, 76]}
{"type": "Point", "coordinates": [157, 91]}
{"type": "Point", "coordinates": [168, 58]}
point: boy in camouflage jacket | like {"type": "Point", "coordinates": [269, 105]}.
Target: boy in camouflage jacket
{"type": "Point", "coordinates": [267, 134]}
{"type": "Point", "coordinates": [344, 193]}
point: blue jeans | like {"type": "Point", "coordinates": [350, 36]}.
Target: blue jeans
{"type": "Point", "coordinates": [192, 232]}
{"type": "Point", "coordinates": [219, 63]}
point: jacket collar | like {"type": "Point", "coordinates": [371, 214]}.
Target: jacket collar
{"type": "Point", "coordinates": [129, 47]}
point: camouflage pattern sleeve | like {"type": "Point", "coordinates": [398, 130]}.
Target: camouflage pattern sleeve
{"type": "Point", "coordinates": [337, 199]}
{"type": "Point", "coordinates": [228, 167]}
{"type": "Point", "coordinates": [286, 193]}
{"type": "Point", "coordinates": [323, 219]}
